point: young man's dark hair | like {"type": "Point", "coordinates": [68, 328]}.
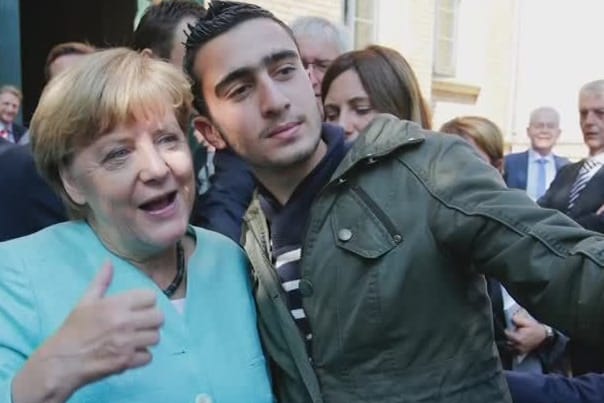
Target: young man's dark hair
{"type": "Point", "coordinates": [221, 16]}
{"type": "Point", "coordinates": [155, 30]}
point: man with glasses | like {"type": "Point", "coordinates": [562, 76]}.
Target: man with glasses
{"type": "Point", "coordinates": [533, 170]}
{"type": "Point", "coordinates": [320, 42]}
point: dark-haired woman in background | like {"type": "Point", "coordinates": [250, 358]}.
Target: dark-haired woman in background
{"type": "Point", "coordinates": [360, 84]}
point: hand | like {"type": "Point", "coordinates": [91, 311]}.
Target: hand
{"type": "Point", "coordinates": [102, 336]}
{"type": "Point", "coordinates": [528, 335]}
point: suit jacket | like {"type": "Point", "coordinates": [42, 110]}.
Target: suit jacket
{"type": "Point", "coordinates": [551, 354]}
{"type": "Point", "coordinates": [535, 388]}
{"type": "Point", "coordinates": [27, 204]}
{"type": "Point", "coordinates": [515, 171]}
{"type": "Point", "coordinates": [584, 358]}
{"type": "Point", "coordinates": [18, 132]}
{"type": "Point", "coordinates": [212, 349]}
{"type": "Point", "coordinates": [588, 202]}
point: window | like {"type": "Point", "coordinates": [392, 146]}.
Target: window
{"type": "Point", "coordinates": [360, 16]}
{"type": "Point", "coordinates": [445, 37]}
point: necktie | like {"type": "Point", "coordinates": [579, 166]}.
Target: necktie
{"type": "Point", "coordinates": [540, 177]}
{"type": "Point", "coordinates": [582, 178]}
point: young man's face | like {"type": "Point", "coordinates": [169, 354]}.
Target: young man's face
{"type": "Point", "coordinates": [259, 97]}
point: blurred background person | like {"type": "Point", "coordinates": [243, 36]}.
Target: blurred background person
{"type": "Point", "coordinates": [27, 203]}
{"type": "Point", "coordinates": [109, 135]}
{"type": "Point", "coordinates": [360, 84]}
{"type": "Point", "coordinates": [523, 343]}
{"type": "Point", "coordinates": [534, 170]}
{"type": "Point", "coordinates": [10, 103]}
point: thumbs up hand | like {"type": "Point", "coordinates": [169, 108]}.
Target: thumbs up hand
{"type": "Point", "coordinates": [103, 335]}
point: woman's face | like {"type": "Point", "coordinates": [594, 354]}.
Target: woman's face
{"type": "Point", "coordinates": [348, 105]}
{"type": "Point", "coordinates": [138, 184]}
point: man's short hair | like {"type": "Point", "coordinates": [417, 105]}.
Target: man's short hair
{"type": "Point", "coordinates": [321, 28]}
{"type": "Point", "coordinates": [156, 28]}
{"type": "Point", "coordinates": [11, 89]}
{"type": "Point", "coordinates": [593, 87]}
{"type": "Point", "coordinates": [221, 17]}
{"type": "Point", "coordinates": [63, 49]}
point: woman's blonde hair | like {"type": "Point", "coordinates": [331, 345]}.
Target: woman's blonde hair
{"type": "Point", "coordinates": [109, 88]}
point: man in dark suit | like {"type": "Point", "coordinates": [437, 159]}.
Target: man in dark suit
{"type": "Point", "coordinates": [536, 388]}
{"type": "Point", "coordinates": [27, 204]}
{"type": "Point", "coordinates": [578, 191]}
{"type": "Point", "coordinates": [10, 102]}
{"type": "Point", "coordinates": [533, 170]}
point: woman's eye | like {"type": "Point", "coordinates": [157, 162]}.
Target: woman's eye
{"type": "Point", "coordinates": [117, 154]}
{"type": "Point", "coordinates": [363, 111]}
{"type": "Point", "coordinates": [169, 139]}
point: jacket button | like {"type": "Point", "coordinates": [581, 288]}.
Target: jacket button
{"type": "Point", "coordinates": [203, 398]}
{"type": "Point", "coordinates": [397, 238]}
{"type": "Point", "coordinates": [344, 234]}
{"type": "Point", "coordinates": [306, 288]}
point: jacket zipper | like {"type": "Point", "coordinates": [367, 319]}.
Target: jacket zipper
{"type": "Point", "coordinates": [373, 206]}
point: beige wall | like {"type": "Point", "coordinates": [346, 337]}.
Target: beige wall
{"type": "Point", "coordinates": [288, 10]}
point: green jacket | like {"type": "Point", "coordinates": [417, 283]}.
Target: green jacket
{"type": "Point", "coordinates": [392, 266]}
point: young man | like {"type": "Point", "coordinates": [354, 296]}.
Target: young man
{"type": "Point", "coordinates": [368, 261]}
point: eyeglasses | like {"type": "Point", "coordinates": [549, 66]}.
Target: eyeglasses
{"type": "Point", "coordinates": [541, 126]}
{"type": "Point", "coordinates": [319, 65]}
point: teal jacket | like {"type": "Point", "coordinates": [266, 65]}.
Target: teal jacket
{"type": "Point", "coordinates": [212, 350]}
{"type": "Point", "coordinates": [392, 275]}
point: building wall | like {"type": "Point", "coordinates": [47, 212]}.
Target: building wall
{"type": "Point", "coordinates": [559, 51]}
{"type": "Point", "coordinates": [288, 10]}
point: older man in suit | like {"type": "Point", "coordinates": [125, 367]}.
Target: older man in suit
{"type": "Point", "coordinates": [578, 191]}
{"type": "Point", "coordinates": [27, 204]}
{"type": "Point", "coordinates": [533, 170]}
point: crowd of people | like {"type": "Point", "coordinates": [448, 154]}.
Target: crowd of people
{"type": "Point", "coordinates": [239, 210]}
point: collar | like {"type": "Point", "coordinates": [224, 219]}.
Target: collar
{"type": "Point", "coordinates": [598, 157]}
{"type": "Point", "coordinates": [534, 156]}
{"type": "Point", "coordinates": [384, 135]}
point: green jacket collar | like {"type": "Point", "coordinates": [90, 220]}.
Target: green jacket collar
{"type": "Point", "coordinates": [384, 135]}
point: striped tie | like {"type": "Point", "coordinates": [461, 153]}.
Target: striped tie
{"type": "Point", "coordinates": [581, 181]}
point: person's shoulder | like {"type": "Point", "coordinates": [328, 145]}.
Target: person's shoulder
{"type": "Point", "coordinates": [48, 243]}
{"type": "Point", "coordinates": [214, 239]}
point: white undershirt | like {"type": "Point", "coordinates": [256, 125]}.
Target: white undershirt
{"type": "Point", "coordinates": [179, 304]}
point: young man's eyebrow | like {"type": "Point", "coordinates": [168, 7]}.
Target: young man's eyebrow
{"type": "Point", "coordinates": [247, 71]}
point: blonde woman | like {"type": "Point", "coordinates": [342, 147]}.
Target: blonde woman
{"type": "Point", "coordinates": [126, 302]}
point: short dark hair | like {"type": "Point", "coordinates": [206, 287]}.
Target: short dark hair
{"type": "Point", "coordinates": [221, 17]}
{"type": "Point", "coordinates": [155, 30]}
{"type": "Point", "coordinates": [66, 48]}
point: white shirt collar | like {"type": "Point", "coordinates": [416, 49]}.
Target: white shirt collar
{"type": "Point", "coordinates": [534, 156]}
